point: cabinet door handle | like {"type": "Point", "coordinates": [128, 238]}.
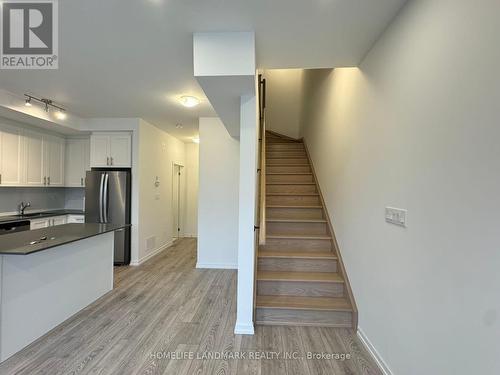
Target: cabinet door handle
{"type": "Point", "coordinates": [81, 181]}
{"type": "Point", "coordinates": [111, 160]}
{"type": "Point", "coordinates": [45, 180]}
{"type": "Point", "coordinates": [107, 160]}
{"type": "Point", "coordinates": [48, 180]}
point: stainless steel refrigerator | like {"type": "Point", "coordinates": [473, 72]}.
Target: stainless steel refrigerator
{"type": "Point", "coordinates": [107, 200]}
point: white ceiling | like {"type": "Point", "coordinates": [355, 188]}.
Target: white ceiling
{"type": "Point", "coordinates": [133, 58]}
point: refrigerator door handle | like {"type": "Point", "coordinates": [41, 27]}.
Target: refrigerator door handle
{"type": "Point", "coordinates": [101, 187]}
{"type": "Point", "coordinates": [106, 186]}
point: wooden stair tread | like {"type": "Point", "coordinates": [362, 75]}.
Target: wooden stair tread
{"type": "Point", "coordinates": [290, 183]}
{"type": "Point", "coordinates": [289, 165]}
{"type": "Point", "coordinates": [323, 277]}
{"type": "Point", "coordinates": [289, 173]}
{"type": "Point", "coordinates": [293, 194]}
{"type": "Point", "coordinates": [297, 254]}
{"type": "Point", "coordinates": [299, 236]}
{"type": "Point", "coordinates": [285, 157]}
{"type": "Point", "coordinates": [282, 206]}
{"type": "Point", "coordinates": [304, 303]}
{"type": "Point", "coordinates": [277, 220]}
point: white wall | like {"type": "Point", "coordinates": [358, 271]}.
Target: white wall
{"type": "Point", "coordinates": [191, 202]}
{"type": "Point", "coordinates": [417, 127]}
{"type": "Point", "coordinates": [249, 144]}
{"type": "Point", "coordinates": [158, 151]}
{"type": "Point", "coordinates": [218, 196]}
{"type": "Point", "coordinates": [284, 100]}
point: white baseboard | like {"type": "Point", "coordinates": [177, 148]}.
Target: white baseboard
{"type": "Point", "coordinates": [244, 329]}
{"type": "Point", "coordinates": [222, 266]}
{"type": "Point", "coordinates": [189, 235]}
{"type": "Point", "coordinates": [374, 353]}
{"type": "Point", "coordinates": [151, 254]}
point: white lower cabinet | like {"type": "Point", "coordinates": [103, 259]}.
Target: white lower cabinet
{"type": "Point", "coordinates": [39, 223]}
{"type": "Point", "coordinates": [58, 220]}
{"type": "Point", "coordinates": [50, 221]}
{"type": "Point", "coordinates": [79, 219]}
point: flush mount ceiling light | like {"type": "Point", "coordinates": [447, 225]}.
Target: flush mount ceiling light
{"type": "Point", "coordinates": [189, 101]}
{"type": "Point", "coordinates": [48, 104]}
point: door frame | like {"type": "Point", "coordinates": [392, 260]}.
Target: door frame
{"type": "Point", "coordinates": [177, 233]}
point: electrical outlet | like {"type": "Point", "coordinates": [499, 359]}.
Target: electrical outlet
{"type": "Point", "coordinates": [396, 216]}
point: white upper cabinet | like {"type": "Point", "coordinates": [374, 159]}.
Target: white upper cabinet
{"type": "Point", "coordinates": [43, 159]}
{"type": "Point", "coordinates": [77, 162]}
{"type": "Point", "coordinates": [121, 150]}
{"type": "Point", "coordinates": [11, 156]}
{"type": "Point", "coordinates": [34, 166]}
{"type": "Point", "coordinates": [99, 150]}
{"type": "Point", "coordinates": [54, 167]}
{"type": "Point", "coordinates": [111, 150]}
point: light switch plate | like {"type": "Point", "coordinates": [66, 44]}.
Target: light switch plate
{"type": "Point", "coordinates": [397, 216]}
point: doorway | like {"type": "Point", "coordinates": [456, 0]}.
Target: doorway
{"type": "Point", "coordinates": [177, 200]}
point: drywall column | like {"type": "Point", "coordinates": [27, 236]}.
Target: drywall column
{"type": "Point", "coordinates": [224, 65]}
{"type": "Point", "coordinates": [217, 197]}
{"type": "Point", "coordinates": [246, 234]}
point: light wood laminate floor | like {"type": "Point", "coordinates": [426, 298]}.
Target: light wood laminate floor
{"type": "Point", "coordinates": [166, 305]}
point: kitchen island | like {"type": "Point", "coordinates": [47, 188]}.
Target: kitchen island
{"type": "Point", "coordinates": [47, 275]}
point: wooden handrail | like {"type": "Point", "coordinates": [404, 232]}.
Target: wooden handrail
{"type": "Point", "coordinates": [262, 205]}
{"type": "Point", "coordinates": [262, 162]}
{"type": "Point", "coordinates": [261, 217]}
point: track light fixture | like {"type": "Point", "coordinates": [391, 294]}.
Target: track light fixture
{"type": "Point", "coordinates": [48, 104]}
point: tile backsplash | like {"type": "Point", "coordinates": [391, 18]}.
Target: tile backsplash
{"type": "Point", "coordinates": [41, 198]}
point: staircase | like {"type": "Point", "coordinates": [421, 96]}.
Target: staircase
{"type": "Point", "coordinates": [300, 279]}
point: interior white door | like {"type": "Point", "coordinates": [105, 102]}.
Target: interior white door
{"type": "Point", "coordinates": [99, 150]}
{"type": "Point", "coordinates": [121, 150]}
{"type": "Point", "coordinates": [11, 156]}
{"type": "Point", "coordinates": [55, 161]}
{"type": "Point", "coordinates": [35, 159]}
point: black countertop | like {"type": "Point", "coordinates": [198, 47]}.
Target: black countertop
{"type": "Point", "coordinates": [39, 215]}
{"type": "Point", "coordinates": [19, 243]}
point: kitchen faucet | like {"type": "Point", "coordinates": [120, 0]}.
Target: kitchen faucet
{"type": "Point", "coordinates": [23, 206]}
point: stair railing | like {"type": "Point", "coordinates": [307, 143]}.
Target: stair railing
{"type": "Point", "coordinates": [262, 160]}
{"type": "Point", "coordinates": [261, 171]}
